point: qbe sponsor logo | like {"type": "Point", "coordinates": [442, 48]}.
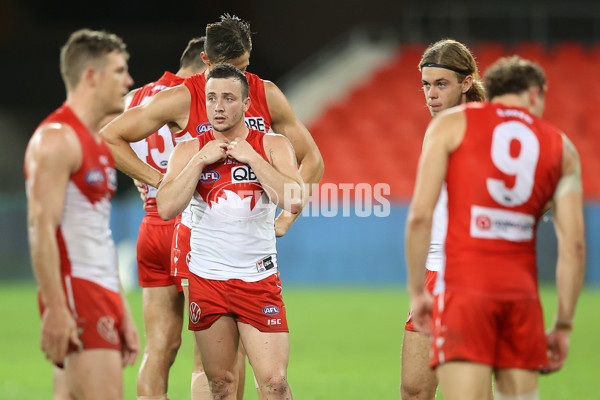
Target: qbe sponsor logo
{"type": "Point", "coordinates": [203, 128]}
{"type": "Point", "coordinates": [257, 123]}
{"type": "Point", "coordinates": [209, 176]}
{"type": "Point", "coordinates": [194, 312]}
{"type": "Point", "coordinates": [242, 173]}
{"type": "Point", "coordinates": [270, 310]}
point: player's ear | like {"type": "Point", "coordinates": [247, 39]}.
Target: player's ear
{"type": "Point", "coordinates": [247, 103]}
{"type": "Point", "coordinates": [467, 83]}
{"type": "Point", "coordinates": [205, 58]}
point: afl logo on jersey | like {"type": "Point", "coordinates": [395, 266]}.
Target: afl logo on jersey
{"type": "Point", "coordinates": [203, 128]}
{"type": "Point", "coordinates": [209, 176]}
{"type": "Point", "coordinates": [270, 310]}
{"type": "Point", "coordinates": [94, 177]}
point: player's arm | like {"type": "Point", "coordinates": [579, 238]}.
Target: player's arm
{"type": "Point", "coordinates": [279, 176]}
{"type": "Point", "coordinates": [570, 266]}
{"type": "Point", "coordinates": [285, 122]}
{"type": "Point", "coordinates": [440, 140]}
{"type": "Point", "coordinates": [183, 173]}
{"type": "Point", "coordinates": [170, 106]}
{"type": "Point", "coordinates": [52, 156]}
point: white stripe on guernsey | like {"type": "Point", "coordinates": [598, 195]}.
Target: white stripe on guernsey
{"type": "Point", "coordinates": [70, 297]}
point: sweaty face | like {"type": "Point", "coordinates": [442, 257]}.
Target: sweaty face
{"type": "Point", "coordinates": [114, 82]}
{"type": "Point", "coordinates": [225, 106]}
{"type": "Point", "coordinates": [442, 90]}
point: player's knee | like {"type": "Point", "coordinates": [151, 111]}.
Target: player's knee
{"type": "Point", "coordinates": [222, 385]}
{"type": "Point", "coordinates": [527, 396]}
{"type": "Point", "coordinates": [416, 391]}
{"type": "Point", "coordinates": [276, 385]}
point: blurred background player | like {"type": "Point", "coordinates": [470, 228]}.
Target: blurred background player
{"type": "Point", "coordinates": [183, 109]}
{"type": "Point", "coordinates": [86, 322]}
{"type": "Point", "coordinates": [450, 77]}
{"type": "Point", "coordinates": [163, 300]}
{"type": "Point", "coordinates": [502, 165]}
{"type": "Point", "coordinates": [235, 178]}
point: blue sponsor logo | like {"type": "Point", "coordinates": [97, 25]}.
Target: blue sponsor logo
{"type": "Point", "coordinates": [203, 128]}
{"type": "Point", "coordinates": [94, 177]}
{"type": "Point", "coordinates": [209, 176]}
{"type": "Point", "coordinates": [271, 310]}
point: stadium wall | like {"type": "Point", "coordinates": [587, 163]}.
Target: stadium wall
{"type": "Point", "coordinates": [319, 250]}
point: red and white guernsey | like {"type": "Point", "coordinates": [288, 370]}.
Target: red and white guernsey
{"type": "Point", "coordinates": [257, 117]}
{"type": "Point", "coordinates": [233, 233]}
{"type": "Point", "coordinates": [499, 180]}
{"type": "Point", "coordinates": [156, 149]}
{"type": "Point", "coordinates": [85, 242]}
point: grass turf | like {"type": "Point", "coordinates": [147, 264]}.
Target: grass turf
{"type": "Point", "coordinates": [345, 344]}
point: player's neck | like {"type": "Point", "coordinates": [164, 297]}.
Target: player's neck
{"type": "Point", "coordinates": [239, 131]}
{"type": "Point", "coordinates": [512, 100]}
{"type": "Point", "coordinates": [87, 111]}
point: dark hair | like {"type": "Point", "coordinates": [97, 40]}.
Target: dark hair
{"type": "Point", "coordinates": [227, 39]}
{"type": "Point", "coordinates": [456, 56]}
{"type": "Point", "coordinates": [192, 55]}
{"type": "Point", "coordinates": [513, 75]}
{"type": "Point", "coordinates": [225, 71]}
{"type": "Point", "coordinates": [86, 47]}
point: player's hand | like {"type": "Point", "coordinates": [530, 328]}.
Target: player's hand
{"type": "Point", "coordinates": [213, 152]}
{"type": "Point", "coordinates": [58, 331]}
{"type": "Point", "coordinates": [558, 349]}
{"type": "Point", "coordinates": [421, 308]}
{"type": "Point", "coordinates": [241, 151]}
{"type": "Point", "coordinates": [130, 340]}
{"type": "Point", "coordinates": [142, 188]}
{"type": "Point", "coordinates": [283, 222]}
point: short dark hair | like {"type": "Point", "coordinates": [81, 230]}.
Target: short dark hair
{"type": "Point", "coordinates": [513, 75]}
{"type": "Point", "coordinates": [227, 39]}
{"type": "Point", "coordinates": [86, 47]}
{"type": "Point", "coordinates": [225, 71]}
{"type": "Point", "coordinates": [192, 55]}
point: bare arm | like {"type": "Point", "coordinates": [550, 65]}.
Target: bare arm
{"type": "Point", "coordinates": [53, 154]}
{"type": "Point", "coordinates": [280, 177]}
{"type": "Point", "coordinates": [441, 139]}
{"type": "Point", "coordinates": [570, 266]}
{"type": "Point", "coordinates": [308, 155]}
{"type": "Point", "coordinates": [170, 107]}
{"type": "Point", "coordinates": [183, 173]}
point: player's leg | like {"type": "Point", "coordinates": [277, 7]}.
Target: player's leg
{"type": "Point", "coordinates": [163, 319]}
{"type": "Point", "coordinates": [268, 353]}
{"type": "Point", "coordinates": [60, 385]}
{"type": "Point", "coordinates": [95, 374]}
{"type": "Point", "coordinates": [462, 380]}
{"type": "Point", "coordinates": [516, 384]}
{"type": "Point", "coordinates": [218, 346]}
{"type": "Point", "coordinates": [241, 370]}
{"type": "Point", "coordinates": [418, 380]}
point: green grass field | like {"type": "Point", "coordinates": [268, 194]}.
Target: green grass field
{"type": "Point", "coordinates": [345, 344]}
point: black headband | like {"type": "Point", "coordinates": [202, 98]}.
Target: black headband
{"type": "Point", "coordinates": [457, 70]}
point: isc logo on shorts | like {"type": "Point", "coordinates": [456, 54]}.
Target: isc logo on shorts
{"type": "Point", "coordinates": [270, 310]}
{"type": "Point", "coordinates": [242, 173]}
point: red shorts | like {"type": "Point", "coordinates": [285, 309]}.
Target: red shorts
{"type": "Point", "coordinates": [502, 333]}
{"type": "Point", "coordinates": [98, 313]}
{"type": "Point", "coordinates": [180, 250]}
{"type": "Point", "coordinates": [154, 254]}
{"type": "Point", "coordinates": [430, 278]}
{"type": "Point", "coordinates": [256, 303]}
